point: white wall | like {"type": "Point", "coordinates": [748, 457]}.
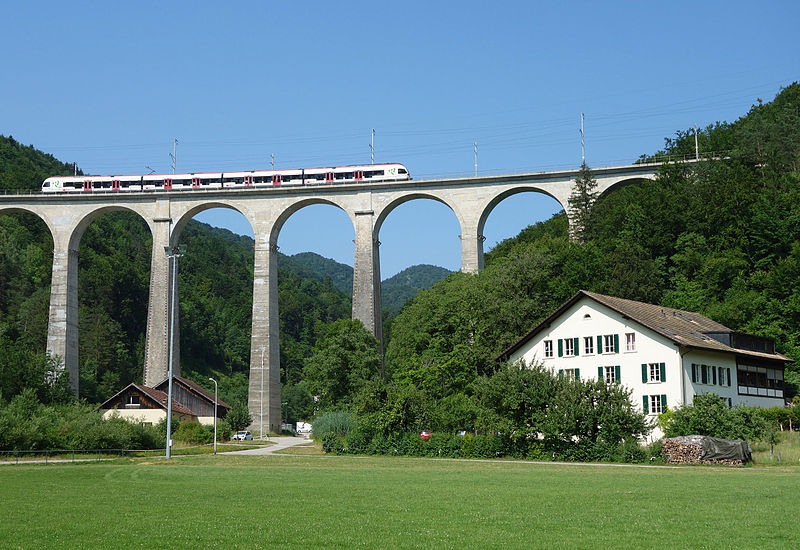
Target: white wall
{"type": "Point", "coordinates": [651, 347]}
{"type": "Point", "coordinates": [153, 416]}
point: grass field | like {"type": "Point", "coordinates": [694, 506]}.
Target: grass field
{"type": "Point", "coordinates": [343, 502]}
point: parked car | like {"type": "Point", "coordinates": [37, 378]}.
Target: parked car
{"type": "Point", "coordinates": [425, 434]}
{"type": "Point", "coordinates": [243, 435]}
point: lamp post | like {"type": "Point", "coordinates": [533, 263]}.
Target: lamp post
{"type": "Point", "coordinates": [173, 253]}
{"type": "Point", "coordinates": [215, 414]}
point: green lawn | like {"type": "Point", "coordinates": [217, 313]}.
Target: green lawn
{"type": "Point", "coordinates": [343, 502]}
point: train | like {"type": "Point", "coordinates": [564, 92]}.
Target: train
{"type": "Point", "coordinates": [223, 180]}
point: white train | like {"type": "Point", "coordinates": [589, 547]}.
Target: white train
{"type": "Point", "coordinates": [220, 180]}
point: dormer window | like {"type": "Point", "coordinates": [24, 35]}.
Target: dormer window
{"type": "Point", "coordinates": [587, 317]}
{"type": "Point", "coordinates": [132, 402]}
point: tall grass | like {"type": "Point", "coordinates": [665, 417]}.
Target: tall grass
{"type": "Point", "coordinates": [785, 452]}
{"type": "Point", "coordinates": [335, 422]}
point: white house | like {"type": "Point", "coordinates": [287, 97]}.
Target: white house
{"type": "Point", "coordinates": [665, 356]}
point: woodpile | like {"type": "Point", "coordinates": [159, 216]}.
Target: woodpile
{"type": "Point", "coordinates": [685, 452]}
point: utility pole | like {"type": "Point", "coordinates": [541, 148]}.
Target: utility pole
{"type": "Point", "coordinates": [583, 145]}
{"type": "Point", "coordinates": [475, 144]}
{"type": "Point", "coordinates": [372, 148]}
{"type": "Point", "coordinates": [696, 148]}
{"type": "Point", "coordinates": [74, 168]}
{"type": "Point", "coordinates": [261, 400]}
{"type": "Point", "coordinates": [174, 154]}
{"type": "Point", "coordinates": [272, 157]}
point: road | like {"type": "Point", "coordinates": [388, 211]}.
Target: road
{"type": "Point", "coordinates": [281, 442]}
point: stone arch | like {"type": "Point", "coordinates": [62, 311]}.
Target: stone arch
{"type": "Point", "coordinates": [190, 213]}
{"type": "Point", "coordinates": [619, 184]}
{"type": "Point", "coordinates": [294, 207]}
{"type": "Point", "coordinates": [23, 210]}
{"type": "Point", "coordinates": [515, 190]}
{"type": "Point", "coordinates": [413, 195]}
{"type": "Point", "coordinates": [77, 230]}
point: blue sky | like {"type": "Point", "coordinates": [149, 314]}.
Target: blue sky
{"type": "Point", "coordinates": [110, 88]}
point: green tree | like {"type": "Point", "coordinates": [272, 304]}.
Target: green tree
{"type": "Point", "coordinates": [343, 361]}
{"type": "Point", "coordinates": [238, 417]}
{"type": "Point", "coordinates": [581, 200]}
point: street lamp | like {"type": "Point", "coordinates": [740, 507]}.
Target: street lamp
{"type": "Point", "coordinates": [215, 414]}
{"type": "Point", "coordinates": [173, 253]}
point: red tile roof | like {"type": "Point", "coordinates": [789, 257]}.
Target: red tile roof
{"type": "Point", "coordinates": [156, 395]}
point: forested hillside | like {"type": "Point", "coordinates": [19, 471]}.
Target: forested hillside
{"type": "Point", "coordinates": [721, 237]}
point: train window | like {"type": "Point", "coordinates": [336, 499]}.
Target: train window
{"type": "Point", "coordinates": [402, 171]}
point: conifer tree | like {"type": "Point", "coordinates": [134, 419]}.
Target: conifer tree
{"type": "Point", "coordinates": [581, 200]}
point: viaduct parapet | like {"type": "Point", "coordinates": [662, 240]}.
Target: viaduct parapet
{"type": "Point", "coordinates": [367, 205]}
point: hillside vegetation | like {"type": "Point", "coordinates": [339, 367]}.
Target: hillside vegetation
{"type": "Point", "coordinates": [721, 237]}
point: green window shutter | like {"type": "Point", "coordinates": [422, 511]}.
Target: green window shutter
{"type": "Point", "coordinates": [599, 344]}
{"type": "Point", "coordinates": [663, 402]}
{"type": "Point", "coordinates": [560, 348]}
{"type": "Point", "coordinates": [560, 373]}
{"type": "Point", "coordinates": [729, 376]}
{"type": "Point", "coordinates": [575, 347]}
{"type": "Point", "coordinates": [577, 374]}
{"type": "Point", "coordinates": [616, 374]}
{"type": "Point", "coordinates": [694, 372]}
{"type": "Point", "coordinates": [600, 374]}
{"type": "Point", "coordinates": [714, 374]}
{"type": "Point", "coordinates": [644, 404]}
{"type": "Point", "coordinates": [616, 343]}
{"type": "Point", "coordinates": [644, 373]}
{"type": "Point", "coordinates": [663, 372]}
{"type": "Point", "coordinates": [704, 374]}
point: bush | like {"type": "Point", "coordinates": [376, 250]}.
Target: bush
{"type": "Point", "coordinates": [26, 424]}
{"type": "Point", "coordinates": [709, 415]}
{"type": "Point", "coordinates": [192, 432]}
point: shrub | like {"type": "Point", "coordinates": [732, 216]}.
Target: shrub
{"type": "Point", "coordinates": [192, 432]}
{"type": "Point", "coordinates": [26, 424]}
{"type": "Point", "coordinates": [709, 415]}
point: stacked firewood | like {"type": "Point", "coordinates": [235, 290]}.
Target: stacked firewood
{"type": "Point", "coordinates": [675, 452]}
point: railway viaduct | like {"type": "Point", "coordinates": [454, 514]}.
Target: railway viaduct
{"type": "Point", "coordinates": [367, 205]}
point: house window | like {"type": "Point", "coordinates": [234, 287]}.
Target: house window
{"type": "Point", "coordinates": [655, 372]}
{"type": "Point", "coordinates": [722, 377]}
{"type": "Point", "coordinates": [760, 381]}
{"type": "Point", "coordinates": [611, 374]}
{"type": "Point", "coordinates": [569, 374]}
{"type": "Point", "coordinates": [588, 345]}
{"type": "Point", "coordinates": [132, 402]}
{"type": "Point", "coordinates": [569, 347]}
{"type": "Point", "coordinates": [655, 404]}
{"type": "Point", "coordinates": [548, 348]}
{"type": "Point", "coordinates": [630, 341]}
{"type": "Point", "coordinates": [610, 343]}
